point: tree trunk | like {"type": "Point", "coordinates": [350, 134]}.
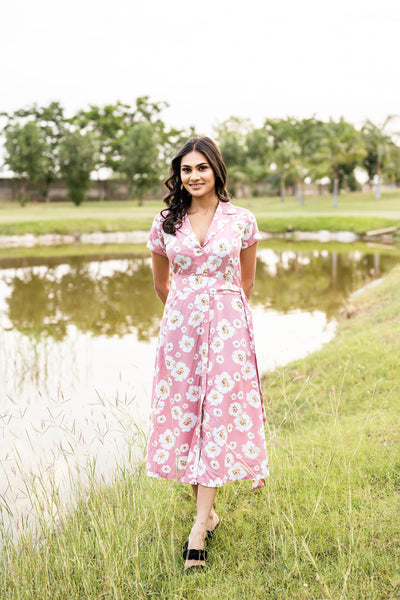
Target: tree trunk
{"type": "Point", "coordinates": [336, 188]}
{"type": "Point", "coordinates": [282, 190]}
{"type": "Point", "coordinates": [378, 181]}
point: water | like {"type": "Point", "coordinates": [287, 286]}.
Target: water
{"type": "Point", "coordinates": [77, 346]}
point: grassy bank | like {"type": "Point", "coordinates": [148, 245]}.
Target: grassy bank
{"type": "Point", "coordinates": [326, 525]}
{"type": "Point", "coordinates": [357, 212]}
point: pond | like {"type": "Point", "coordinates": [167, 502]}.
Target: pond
{"type": "Point", "coordinates": [77, 346]}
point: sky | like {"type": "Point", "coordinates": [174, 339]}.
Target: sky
{"type": "Point", "coordinates": [208, 59]}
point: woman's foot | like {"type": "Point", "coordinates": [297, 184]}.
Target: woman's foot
{"type": "Point", "coordinates": [212, 523]}
{"type": "Point", "coordinates": [196, 542]}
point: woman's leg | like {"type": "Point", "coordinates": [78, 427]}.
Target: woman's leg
{"type": "Point", "coordinates": [205, 497]}
{"type": "Point", "coordinates": [213, 519]}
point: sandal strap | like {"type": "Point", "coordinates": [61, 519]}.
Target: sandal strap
{"type": "Point", "coordinates": [193, 554]}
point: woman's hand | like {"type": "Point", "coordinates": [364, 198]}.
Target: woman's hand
{"type": "Point", "coordinates": [160, 275]}
{"type": "Point", "coordinates": [248, 258]}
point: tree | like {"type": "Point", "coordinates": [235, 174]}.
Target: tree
{"type": "Point", "coordinates": [110, 124]}
{"type": "Point", "coordinates": [26, 155]}
{"type": "Point", "coordinates": [78, 158]}
{"type": "Point", "coordinates": [377, 145]}
{"type": "Point", "coordinates": [51, 124]}
{"type": "Point", "coordinates": [341, 147]}
{"type": "Point", "coordinates": [140, 163]}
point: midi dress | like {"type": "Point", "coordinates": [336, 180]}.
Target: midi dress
{"type": "Point", "coordinates": [207, 412]}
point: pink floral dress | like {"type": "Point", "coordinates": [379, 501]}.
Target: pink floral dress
{"type": "Point", "coordinates": [207, 417]}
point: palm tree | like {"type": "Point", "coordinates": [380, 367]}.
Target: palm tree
{"type": "Point", "coordinates": [341, 146]}
{"type": "Point", "coordinates": [377, 144]}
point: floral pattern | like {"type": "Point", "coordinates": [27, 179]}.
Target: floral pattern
{"type": "Point", "coordinates": [207, 410]}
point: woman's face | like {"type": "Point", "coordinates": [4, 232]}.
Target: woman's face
{"type": "Point", "coordinates": [197, 175]}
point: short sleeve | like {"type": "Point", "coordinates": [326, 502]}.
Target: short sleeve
{"type": "Point", "coordinates": [251, 234]}
{"type": "Point", "coordinates": [156, 242]}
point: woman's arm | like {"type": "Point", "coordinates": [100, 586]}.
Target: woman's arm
{"type": "Point", "coordinates": [160, 275]}
{"type": "Point", "coordinates": [248, 268]}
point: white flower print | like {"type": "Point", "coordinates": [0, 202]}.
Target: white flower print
{"type": "Point", "coordinates": [212, 449]}
{"type": "Point", "coordinates": [239, 357]}
{"type": "Point", "coordinates": [183, 262]}
{"type": "Point", "coordinates": [177, 398]}
{"type": "Point", "coordinates": [225, 329]}
{"type": "Point", "coordinates": [237, 304]}
{"type": "Point", "coordinates": [180, 371]}
{"type": "Point", "coordinates": [184, 448]}
{"type": "Point", "coordinates": [229, 459]}
{"type": "Point", "coordinates": [217, 345]}
{"type": "Point", "coordinates": [214, 397]}
{"type": "Point", "coordinates": [217, 412]}
{"type": "Point", "coordinates": [158, 406]}
{"type": "Point", "coordinates": [222, 247]}
{"type": "Point", "coordinates": [250, 450]}
{"type": "Point", "coordinates": [224, 382]}
{"type": "Point", "coordinates": [186, 343]}
{"type": "Point", "coordinates": [237, 323]}
{"type": "Point", "coordinates": [201, 302]}
{"type": "Point", "coordinates": [183, 294]}
{"type": "Point", "coordinates": [220, 359]}
{"type": "Point", "coordinates": [232, 445]}
{"type": "Point", "coordinates": [220, 435]}
{"type": "Point", "coordinates": [195, 318]}
{"type": "Point", "coordinates": [236, 376]}
{"type": "Point", "coordinates": [236, 472]}
{"type": "Point", "coordinates": [229, 274]}
{"type": "Point", "coordinates": [197, 282]}
{"type": "Point", "coordinates": [213, 263]}
{"type": "Point", "coordinates": [194, 393]}
{"type": "Point", "coordinates": [253, 398]}
{"type": "Point", "coordinates": [169, 347]}
{"type": "Point", "coordinates": [175, 319]}
{"type": "Point", "coordinates": [202, 468]}
{"type": "Point", "coordinates": [187, 421]}
{"type": "Point", "coordinates": [214, 464]}
{"type": "Point", "coordinates": [166, 439]}
{"type": "Point", "coordinates": [161, 419]}
{"type": "Point", "coordinates": [235, 409]}
{"type": "Point", "coordinates": [243, 422]}
{"type": "Point", "coordinates": [162, 389]}
{"type": "Point", "coordinates": [161, 456]}
{"type": "Point", "coordinates": [176, 412]}
{"type": "Point", "coordinates": [248, 371]}
{"type": "Point", "coordinates": [182, 462]}
{"type": "Point", "coordinates": [169, 362]}
{"type": "Point", "coordinates": [165, 468]}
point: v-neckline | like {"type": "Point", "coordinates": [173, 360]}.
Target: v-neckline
{"type": "Point", "coordinates": [208, 230]}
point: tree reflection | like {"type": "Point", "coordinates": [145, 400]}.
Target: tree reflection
{"type": "Point", "coordinates": [46, 299]}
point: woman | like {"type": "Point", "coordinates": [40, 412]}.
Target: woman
{"type": "Point", "coordinates": [207, 424]}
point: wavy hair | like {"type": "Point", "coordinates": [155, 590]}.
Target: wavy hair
{"type": "Point", "coordinates": [178, 198]}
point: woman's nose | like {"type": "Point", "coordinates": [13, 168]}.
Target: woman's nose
{"type": "Point", "coordinates": [194, 175]}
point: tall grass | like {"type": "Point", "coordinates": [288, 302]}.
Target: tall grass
{"type": "Point", "coordinates": [325, 527]}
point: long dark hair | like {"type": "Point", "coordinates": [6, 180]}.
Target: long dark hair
{"type": "Point", "coordinates": [178, 198]}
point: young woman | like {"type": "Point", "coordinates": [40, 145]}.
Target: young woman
{"type": "Point", "coordinates": [207, 419]}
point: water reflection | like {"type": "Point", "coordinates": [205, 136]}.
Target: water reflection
{"type": "Point", "coordinates": [116, 297]}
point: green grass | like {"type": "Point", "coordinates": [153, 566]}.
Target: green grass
{"type": "Point", "coordinates": [325, 527]}
{"type": "Point", "coordinates": [357, 212]}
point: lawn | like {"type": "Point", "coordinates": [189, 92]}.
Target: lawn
{"type": "Point", "coordinates": [357, 212]}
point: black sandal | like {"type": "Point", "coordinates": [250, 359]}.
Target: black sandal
{"type": "Point", "coordinates": [210, 533]}
{"type": "Point", "coordinates": [194, 554]}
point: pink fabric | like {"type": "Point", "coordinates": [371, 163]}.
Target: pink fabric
{"type": "Point", "coordinates": [207, 418]}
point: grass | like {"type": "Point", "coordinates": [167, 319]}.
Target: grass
{"type": "Point", "coordinates": [325, 527]}
{"type": "Point", "coordinates": [357, 212]}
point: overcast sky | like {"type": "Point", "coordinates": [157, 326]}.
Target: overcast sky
{"type": "Point", "coordinates": [209, 59]}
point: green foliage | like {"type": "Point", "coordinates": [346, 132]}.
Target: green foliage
{"type": "Point", "coordinates": [26, 155]}
{"type": "Point", "coordinates": [140, 158]}
{"type": "Point", "coordinates": [78, 157]}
